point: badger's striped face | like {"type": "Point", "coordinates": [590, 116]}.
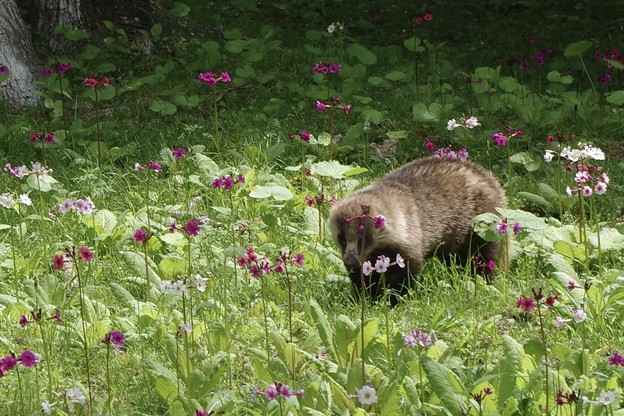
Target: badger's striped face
{"type": "Point", "coordinates": [356, 241]}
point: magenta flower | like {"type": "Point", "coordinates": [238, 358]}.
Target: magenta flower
{"type": "Point", "coordinates": [48, 72]}
{"type": "Point", "coordinates": [526, 304]}
{"type": "Point", "coordinates": [58, 262]}
{"type": "Point", "coordinates": [139, 236]}
{"type": "Point", "coordinates": [28, 358]}
{"type": "Point", "coordinates": [501, 227]}
{"type": "Point", "coordinates": [285, 391]}
{"type": "Point", "coordinates": [4, 69]}
{"type": "Point", "coordinates": [499, 139]}
{"type": "Point", "coordinates": [86, 254]}
{"type": "Point", "coordinates": [299, 259]}
{"type": "Point", "coordinates": [117, 338]}
{"type": "Point", "coordinates": [255, 271]}
{"type": "Point", "coordinates": [228, 183]}
{"type": "Point", "coordinates": [8, 363]}
{"type": "Point", "coordinates": [616, 359]}
{"type": "Point", "coordinates": [240, 178]}
{"type": "Point", "coordinates": [91, 82]}
{"type": "Point", "coordinates": [379, 221]}
{"type": "Point", "coordinates": [23, 321]}
{"type": "Point", "coordinates": [217, 183]}
{"type": "Point", "coordinates": [271, 392]}
{"type": "Point", "coordinates": [517, 229]}
{"type": "Point", "coordinates": [225, 77]}
{"type": "Point", "coordinates": [63, 67]}
{"type": "Point", "coordinates": [192, 228]}
{"type": "Point", "coordinates": [305, 136]}
{"type": "Point", "coordinates": [320, 106]}
{"type": "Point", "coordinates": [178, 153]}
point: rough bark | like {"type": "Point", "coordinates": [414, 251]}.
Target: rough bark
{"type": "Point", "coordinates": [18, 54]}
{"type": "Point", "coordinates": [53, 13]}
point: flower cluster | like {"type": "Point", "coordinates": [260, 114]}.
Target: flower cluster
{"type": "Point", "coordinates": [36, 168]}
{"type": "Point", "coordinates": [501, 139]}
{"type": "Point", "coordinates": [379, 221]}
{"type": "Point", "coordinates": [418, 337]}
{"type": "Point", "coordinates": [467, 122]}
{"type": "Point", "coordinates": [583, 153]}
{"type": "Point", "coordinates": [227, 182]}
{"type": "Point", "coordinates": [336, 26]}
{"type": "Point", "coordinates": [180, 286]}
{"type": "Point", "coordinates": [275, 391]}
{"type": "Point", "coordinates": [527, 304]}
{"type": "Point", "coordinates": [419, 20]}
{"type": "Point", "coordinates": [211, 78]}
{"type": "Point", "coordinates": [326, 68]}
{"type": "Point", "coordinates": [116, 338]}
{"type": "Point", "coordinates": [303, 135]}
{"type": "Point", "coordinates": [319, 200]}
{"type": "Point", "coordinates": [502, 227]}
{"type": "Point", "coordinates": [37, 316]}
{"type": "Point", "coordinates": [83, 206]}
{"type": "Point", "coordinates": [9, 201]}
{"type": "Point", "coordinates": [589, 179]}
{"type": "Point", "coordinates": [482, 394]}
{"type": "Point", "coordinates": [321, 106]}
{"type": "Point", "coordinates": [539, 57]}
{"type": "Point", "coordinates": [151, 165]}
{"type": "Point", "coordinates": [27, 358]}
{"type": "Point", "coordinates": [47, 137]}
{"type": "Point", "coordinates": [382, 264]}
{"type": "Point", "coordinates": [92, 82]}
{"type": "Point", "coordinates": [448, 153]}
{"type": "Point", "coordinates": [257, 266]}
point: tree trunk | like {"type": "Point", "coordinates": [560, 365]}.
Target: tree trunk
{"type": "Point", "coordinates": [53, 13]}
{"type": "Point", "coordinates": [18, 54]}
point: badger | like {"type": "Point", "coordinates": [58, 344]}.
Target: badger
{"type": "Point", "coordinates": [419, 210]}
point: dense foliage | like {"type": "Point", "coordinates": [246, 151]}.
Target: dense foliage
{"type": "Point", "coordinates": [163, 242]}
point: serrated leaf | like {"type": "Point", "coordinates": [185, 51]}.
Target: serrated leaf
{"type": "Point", "coordinates": [323, 327]}
{"type": "Point", "coordinates": [510, 366]}
{"type": "Point", "coordinates": [445, 385]}
{"type": "Point", "coordinates": [364, 55]}
{"type": "Point", "coordinates": [577, 48]}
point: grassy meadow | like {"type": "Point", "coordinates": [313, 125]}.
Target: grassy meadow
{"type": "Point", "coordinates": [163, 239]}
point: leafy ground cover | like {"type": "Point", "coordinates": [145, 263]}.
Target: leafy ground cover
{"type": "Point", "coordinates": [163, 238]}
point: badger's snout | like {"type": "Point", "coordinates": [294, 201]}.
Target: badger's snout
{"type": "Point", "coordinates": [351, 262]}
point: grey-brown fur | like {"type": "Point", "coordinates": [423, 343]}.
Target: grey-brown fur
{"type": "Point", "coordinates": [428, 205]}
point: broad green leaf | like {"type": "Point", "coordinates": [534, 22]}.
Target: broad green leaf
{"type": "Point", "coordinates": [536, 200]}
{"type": "Point", "coordinates": [345, 331]}
{"type": "Point", "coordinates": [413, 45]}
{"type": "Point", "coordinates": [105, 222]}
{"type": "Point", "coordinates": [364, 55]}
{"type": "Point", "coordinates": [577, 48]}
{"type": "Point", "coordinates": [555, 76]}
{"type": "Point", "coordinates": [525, 159]}
{"type": "Point", "coordinates": [43, 183]}
{"type": "Point", "coordinates": [616, 97]}
{"type": "Point", "coordinates": [616, 64]}
{"type": "Point", "coordinates": [105, 68]}
{"type": "Point", "coordinates": [311, 215]}
{"type": "Point", "coordinates": [398, 134]}
{"type": "Point", "coordinates": [180, 9]}
{"type": "Point", "coordinates": [156, 30]}
{"type": "Point", "coordinates": [509, 370]}
{"type": "Point", "coordinates": [174, 239]}
{"type": "Point", "coordinates": [236, 46]}
{"type": "Point", "coordinates": [76, 34]}
{"type": "Point", "coordinates": [445, 385]}
{"type": "Point", "coordinates": [396, 76]}
{"type": "Point", "coordinates": [372, 116]}
{"type": "Point", "coordinates": [331, 169]}
{"type": "Point", "coordinates": [171, 267]}
{"type": "Point", "coordinates": [278, 192]}
{"type": "Point", "coordinates": [425, 114]}
{"type": "Point", "coordinates": [370, 331]}
{"type": "Point", "coordinates": [569, 250]}
{"type": "Point", "coordinates": [136, 262]}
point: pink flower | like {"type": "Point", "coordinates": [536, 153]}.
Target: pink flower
{"type": "Point", "coordinates": [587, 191]}
{"type": "Point", "coordinates": [305, 136]}
{"type": "Point", "coordinates": [417, 21]}
{"type": "Point", "coordinates": [428, 17]}
{"type": "Point", "coordinates": [178, 153]}
{"type": "Point", "coordinates": [90, 82]}
{"type": "Point", "coordinates": [4, 69]}
{"type": "Point", "coordinates": [428, 145]}
{"type": "Point", "coordinates": [379, 221]}
{"type": "Point", "coordinates": [367, 268]}
{"type": "Point", "coordinates": [299, 259]}
{"type": "Point", "coordinates": [48, 71]}
{"type": "Point", "coordinates": [8, 363]}
{"type": "Point", "coordinates": [271, 392]}
{"type": "Point", "coordinates": [86, 254]}
{"type": "Point", "coordinates": [320, 106]}
{"type": "Point", "coordinates": [117, 338]}
{"type": "Point", "coordinates": [63, 67]}
{"type": "Point", "coordinates": [225, 77]}
{"type": "Point", "coordinates": [526, 304]}
{"type": "Point", "coordinates": [346, 109]}
{"type": "Point", "coordinates": [28, 358]}
{"type": "Point", "coordinates": [105, 81]}
{"type": "Point", "coordinates": [192, 228]}
{"type": "Point", "coordinates": [255, 271]}
{"type": "Point", "coordinates": [139, 236]}
{"type": "Point", "coordinates": [58, 262]}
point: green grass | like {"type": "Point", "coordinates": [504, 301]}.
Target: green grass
{"type": "Point", "coordinates": [209, 349]}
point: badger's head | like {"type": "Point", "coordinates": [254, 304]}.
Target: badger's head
{"type": "Point", "coordinates": [358, 229]}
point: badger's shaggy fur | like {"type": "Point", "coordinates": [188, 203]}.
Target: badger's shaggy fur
{"type": "Point", "coordinates": [428, 206]}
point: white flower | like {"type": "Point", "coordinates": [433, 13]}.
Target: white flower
{"type": "Point", "coordinates": [367, 395]}
{"type": "Point", "coordinates": [24, 199]}
{"type": "Point", "coordinates": [606, 398]}
{"type": "Point", "coordinates": [568, 191]}
{"type": "Point", "coordinates": [472, 122]}
{"type": "Point", "coordinates": [382, 264]}
{"type": "Point", "coordinates": [179, 287]}
{"type": "Point", "coordinates": [46, 408]}
{"type": "Point", "coordinates": [66, 206]}
{"type": "Point", "coordinates": [559, 321]}
{"type": "Point", "coordinates": [582, 177]}
{"type": "Point", "coordinates": [75, 395]}
{"type": "Point", "coordinates": [6, 200]}
{"type": "Point", "coordinates": [604, 178]}
{"type": "Point", "coordinates": [600, 188]}
{"type": "Point", "coordinates": [587, 402]}
{"type": "Point", "coordinates": [137, 167]}
{"type": "Point", "coordinates": [331, 28]}
{"type": "Point", "coordinates": [367, 268]}
{"type": "Point", "coordinates": [548, 156]}
{"type": "Point", "coordinates": [594, 153]}
{"type": "Point", "coordinates": [400, 261]}
{"type": "Point", "coordinates": [573, 155]}
{"type": "Point", "coordinates": [587, 190]}
{"type": "Point", "coordinates": [409, 341]}
{"type": "Point", "coordinates": [452, 125]}
{"type": "Point", "coordinates": [200, 283]}
{"type": "Point", "coordinates": [166, 286]}
{"type": "Point", "coordinates": [579, 316]}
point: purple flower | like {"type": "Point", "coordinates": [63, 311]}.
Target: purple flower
{"type": "Point", "coordinates": [298, 259]}
{"type": "Point", "coordinates": [285, 391]}
{"type": "Point", "coordinates": [217, 183]}
{"type": "Point", "coordinates": [320, 106]}
{"type": "Point", "coordinates": [379, 221]}
{"type": "Point", "coordinates": [517, 229]}
{"type": "Point", "coordinates": [23, 321]}
{"type": "Point", "coordinates": [305, 136]}
{"type": "Point", "coordinates": [85, 254]}
{"type": "Point", "coordinates": [154, 166]}
{"type": "Point", "coordinates": [228, 183]}
{"type": "Point", "coordinates": [139, 236]}
{"type": "Point", "coordinates": [48, 72]}
{"type": "Point", "coordinates": [4, 69]}
{"type": "Point", "coordinates": [616, 359]}
{"type": "Point", "coordinates": [501, 227]}
{"type": "Point", "coordinates": [28, 358]}
{"type": "Point", "coordinates": [225, 77]}
{"type": "Point", "coordinates": [178, 153]}
{"type": "Point", "coordinates": [192, 228]}
{"type": "Point", "coordinates": [271, 392]}
{"type": "Point", "coordinates": [8, 363]}
{"type": "Point", "coordinates": [117, 338]}
{"type": "Point", "coordinates": [255, 271]}
{"type": "Point", "coordinates": [499, 139]}
{"type": "Point", "coordinates": [63, 67]}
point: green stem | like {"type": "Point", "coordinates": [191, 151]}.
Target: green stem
{"type": "Point", "coordinates": [47, 349]}
{"type": "Point", "coordinates": [85, 344]}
